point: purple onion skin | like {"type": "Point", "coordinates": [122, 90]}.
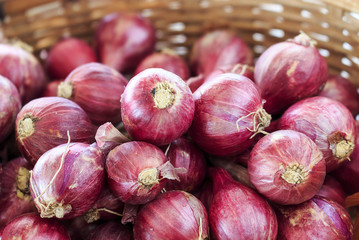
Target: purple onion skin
{"type": "Point", "coordinates": [97, 89]}
{"type": "Point", "coordinates": [347, 174]}
{"type": "Point", "coordinates": [146, 119]}
{"type": "Point", "coordinates": [112, 230]}
{"type": "Point", "coordinates": [24, 70]}
{"type": "Point", "coordinates": [237, 68]}
{"type": "Point", "coordinates": [170, 62]}
{"type": "Point", "coordinates": [342, 90]}
{"type": "Point", "coordinates": [318, 218]}
{"type": "Point", "coordinates": [78, 183]}
{"type": "Point", "coordinates": [218, 105]}
{"type": "Point", "coordinates": [124, 165]}
{"type": "Point", "coordinates": [288, 72]}
{"type": "Point", "coordinates": [79, 229]}
{"type": "Point", "coordinates": [11, 203]}
{"type": "Point", "coordinates": [10, 104]}
{"type": "Point", "coordinates": [218, 48]}
{"type": "Point", "coordinates": [238, 212]}
{"type": "Point", "coordinates": [332, 190]}
{"type": "Point", "coordinates": [50, 89]}
{"type": "Point", "coordinates": [123, 39]}
{"type": "Point", "coordinates": [321, 118]}
{"type": "Point", "coordinates": [50, 130]}
{"type": "Point", "coordinates": [271, 164]}
{"type": "Point", "coordinates": [173, 215]}
{"type": "Point", "coordinates": [205, 193]}
{"type": "Point", "coordinates": [66, 55]}
{"type": "Point", "coordinates": [31, 226]}
{"type": "Point", "coordinates": [183, 153]}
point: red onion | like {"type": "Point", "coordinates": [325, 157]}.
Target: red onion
{"type": "Point", "coordinates": [32, 226]}
{"type": "Point", "coordinates": [124, 39]}
{"type": "Point", "coordinates": [157, 107]}
{"type": "Point", "coordinates": [97, 88]}
{"type": "Point", "coordinates": [113, 231]}
{"type": "Point", "coordinates": [219, 48]}
{"type": "Point", "coordinates": [66, 55]}
{"type": "Point", "coordinates": [195, 82]}
{"type": "Point", "coordinates": [51, 88]}
{"type": "Point", "coordinates": [67, 180]}
{"type": "Point", "coordinates": [183, 153]}
{"type": "Point", "coordinates": [347, 174]}
{"type": "Point", "coordinates": [173, 215]}
{"type": "Point", "coordinates": [290, 71]}
{"type": "Point", "coordinates": [167, 60]}
{"type": "Point", "coordinates": [15, 198]}
{"type": "Point", "coordinates": [238, 212]}
{"type": "Point", "coordinates": [332, 190]}
{"type": "Point", "coordinates": [107, 207]}
{"type": "Point", "coordinates": [10, 104]}
{"type": "Point", "coordinates": [241, 69]}
{"type": "Point", "coordinates": [286, 167]}
{"type": "Point", "coordinates": [318, 218]}
{"type": "Point", "coordinates": [342, 90]}
{"type": "Point", "coordinates": [136, 171]}
{"type": "Point", "coordinates": [24, 70]}
{"type": "Point", "coordinates": [229, 113]}
{"type": "Point", "coordinates": [328, 123]}
{"type": "Point", "coordinates": [42, 124]}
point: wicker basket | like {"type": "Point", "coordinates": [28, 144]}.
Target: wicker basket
{"type": "Point", "coordinates": [334, 24]}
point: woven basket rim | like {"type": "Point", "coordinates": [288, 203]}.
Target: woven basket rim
{"type": "Point", "coordinates": [348, 5]}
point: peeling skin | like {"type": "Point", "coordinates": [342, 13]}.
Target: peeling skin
{"type": "Point", "coordinates": [73, 186]}
{"type": "Point", "coordinates": [292, 68]}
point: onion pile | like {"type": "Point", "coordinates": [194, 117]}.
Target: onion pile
{"type": "Point", "coordinates": [215, 147]}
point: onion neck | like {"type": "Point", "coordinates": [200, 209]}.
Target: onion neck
{"type": "Point", "coordinates": [163, 95]}
{"type": "Point", "coordinates": [148, 177]}
{"type": "Point", "coordinates": [340, 146]}
{"type": "Point", "coordinates": [294, 174]}
{"type": "Point", "coordinates": [65, 90]}
{"type": "Point", "coordinates": [55, 209]}
{"type": "Point", "coordinates": [92, 215]}
{"type": "Point", "coordinates": [26, 127]}
{"type": "Point", "coordinates": [304, 40]}
{"type": "Point", "coordinates": [22, 183]}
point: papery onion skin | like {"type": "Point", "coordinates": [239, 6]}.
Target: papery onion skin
{"type": "Point", "coordinates": [218, 48]}
{"type": "Point", "coordinates": [347, 174]}
{"type": "Point", "coordinates": [195, 82]}
{"type": "Point", "coordinates": [97, 89]}
{"type": "Point", "coordinates": [39, 129]}
{"type": "Point", "coordinates": [24, 70]}
{"type": "Point", "coordinates": [10, 104]}
{"type": "Point", "coordinates": [286, 167]}
{"type": "Point", "coordinates": [166, 60]}
{"type": "Point", "coordinates": [123, 39]}
{"type": "Point", "coordinates": [342, 90]}
{"type": "Point", "coordinates": [183, 153]}
{"type": "Point", "coordinates": [328, 123]}
{"type": "Point", "coordinates": [318, 218]}
{"type": "Point", "coordinates": [125, 165]}
{"type": "Point", "coordinates": [15, 197]}
{"type": "Point", "coordinates": [31, 226]}
{"type": "Point", "coordinates": [50, 89]}
{"type": "Point", "coordinates": [229, 113]}
{"type": "Point", "coordinates": [157, 106]}
{"type": "Point", "coordinates": [66, 55]}
{"type": "Point", "coordinates": [76, 187]}
{"type": "Point", "coordinates": [238, 212]}
{"type": "Point", "coordinates": [288, 72]}
{"type": "Point", "coordinates": [173, 215]}
{"type": "Point", "coordinates": [332, 190]}
{"type": "Point", "coordinates": [205, 194]}
{"type": "Point", "coordinates": [112, 230]}
{"type": "Point", "coordinates": [107, 200]}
